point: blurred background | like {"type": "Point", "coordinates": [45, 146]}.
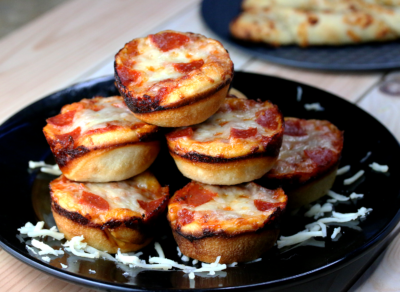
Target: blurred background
{"type": "Point", "coordinates": [16, 13]}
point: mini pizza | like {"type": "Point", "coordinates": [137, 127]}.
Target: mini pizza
{"type": "Point", "coordinates": [238, 223]}
{"type": "Point", "coordinates": [173, 79]}
{"type": "Point", "coordinates": [308, 160]}
{"type": "Point", "coordinates": [238, 144]}
{"type": "Point", "coordinates": [110, 216]}
{"type": "Point", "coordinates": [100, 140]}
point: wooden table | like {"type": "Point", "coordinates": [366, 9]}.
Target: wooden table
{"type": "Point", "coordinates": [78, 41]}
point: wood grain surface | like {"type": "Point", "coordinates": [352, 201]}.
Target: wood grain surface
{"type": "Point", "coordinates": [78, 41]}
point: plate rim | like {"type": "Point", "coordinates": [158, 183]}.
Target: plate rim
{"type": "Point", "coordinates": [283, 282]}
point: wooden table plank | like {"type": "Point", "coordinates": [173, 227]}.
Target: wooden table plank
{"type": "Point", "coordinates": [385, 106]}
{"type": "Point", "coordinates": [31, 65]}
{"type": "Point", "coordinates": [350, 86]}
{"type": "Point", "coordinates": [188, 20]}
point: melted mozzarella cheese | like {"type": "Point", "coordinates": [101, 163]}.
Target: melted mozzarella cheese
{"type": "Point", "coordinates": [157, 65]}
{"type": "Point", "coordinates": [113, 112]}
{"type": "Point", "coordinates": [119, 195]}
{"type": "Point", "coordinates": [219, 125]}
{"type": "Point", "coordinates": [233, 202]}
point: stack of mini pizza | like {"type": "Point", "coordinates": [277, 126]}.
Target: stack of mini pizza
{"type": "Point", "coordinates": [222, 141]}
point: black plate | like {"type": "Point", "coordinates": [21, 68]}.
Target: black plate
{"type": "Point", "coordinates": [371, 56]}
{"type": "Point", "coordinates": [26, 198]}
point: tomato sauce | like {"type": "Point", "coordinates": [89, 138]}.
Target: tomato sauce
{"type": "Point", "coordinates": [180, 133]}
{"type": "Point", "coordinates": [62, 119]}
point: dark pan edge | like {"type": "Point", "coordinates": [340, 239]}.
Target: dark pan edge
{"type": "Point", "coordinates": [293, 63]}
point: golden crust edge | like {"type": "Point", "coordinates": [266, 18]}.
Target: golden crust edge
{"type": "Point", "coordinates": [186, 115]}
{"type": "Point", "coordinates": [225, 173]}
{"type": "Point", "coordinates": [93, 166]}
{"type": "Point", "coordinates": [240, 248]}
{"type": "Point", "coordinates": [109, 240]}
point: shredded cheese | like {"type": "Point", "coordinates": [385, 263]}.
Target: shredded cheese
{"type": "Point", "coordinates": [191, 275]}
{"type": "Point", "coordinates": [36, 231]}
{"type": "Point", "coordinates": [185, 258]}
{"type": "Point", "coordinates": [63, 266]}
{"type": "Point", "coordinates": [45, 249]}
{"type": "Point", "coordinates": [337, 197]}
{"type": "Point", "coordinates": [299, 93]}
{"type": "Point", "coordinates": [298, 237]}
{"type": "Point", "coordinates": [80, 248]}
{"type": "Point", "coordinates": [159, 250]}
{"type": "Point", "coordinates": [336, 231]}
{"type": "Point", "coordinates": [317, 210]}
{"type": "Point", "coordinates": [170, 263]}
{"type": "Point", "coordinates": [31, 249]}
{"type": "Point", "coordinates": [313, 106]}
{"type": "Point", "coordinates": [44, 167]}
{"type": "Point", "coordinates": [46, 259]}
{"type": "Point", "coordinates": [352, 179]}
{"type": "Point", "coordinates": [343, 170]}
{"type": "Point", "coordinates": [355, 196]}
{"type": "Point", "coordinates": [234, 264]}
{"type": "Point", "coordinates": [194, 262]}
{"type": "Point", "coordinates": [254, 261]}
{"type": "Point", "coordinates": [380, 168]}
{"type": "Point", "coordinates": [366, 157]}
{"type": "Point", "coordinates": [92, 271]}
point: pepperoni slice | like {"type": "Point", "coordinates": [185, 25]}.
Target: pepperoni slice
{"type": "Point", "coordinates": [187, 67]}
{"type": "Point", "coordinates": [127, 75]}
{"type": "Point", "coordinates": [267, 118]}
{"type": "Point", "coordinates": [193, 195]}
{"type": "Point", "coordinates": [94, 201]}
{"type": "Point", "coordinates": [321, 156]}
{"type": "Point", "coordinates": [169, 40]}
{"type": "Point", "coordinates": [198, 195]}
{"type": "Point", "coordinates": [238, 133]}
{"type": "Point", "coordinates": [293, 128]}
{"type": "Point", "coordinates": [185, 216]}
{"type": "Point", "coordinates": [62, 119]}
{"type": "Point", "coordinates": [102, 130]}
{"type": "Point", "coordinates": [65, 138]}
{"type": "Point", "coordinates": [151, 206]}
{"type": "Point", "coordinates": [265, 206]}
{"type": "Point", "coordinates": [180, 133]}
